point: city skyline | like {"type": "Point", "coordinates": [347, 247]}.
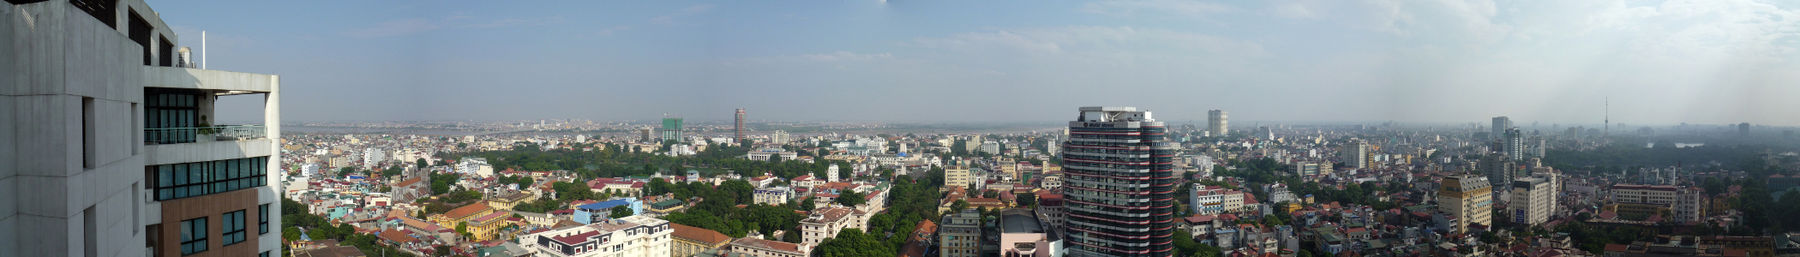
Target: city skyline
{"type": "Point", "coordinates": [1704, 62]}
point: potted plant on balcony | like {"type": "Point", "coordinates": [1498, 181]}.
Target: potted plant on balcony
{"type": "Point", "coordinates": [206, 133]}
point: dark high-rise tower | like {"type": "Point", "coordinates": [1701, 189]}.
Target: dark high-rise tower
{"type": "Point", "coordinates": [740, 126]}
{"type": "Point", "coordinates": [1120, 189]}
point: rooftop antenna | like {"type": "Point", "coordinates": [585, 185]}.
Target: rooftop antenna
{"type": "Point", "coordinates": [202, 49]}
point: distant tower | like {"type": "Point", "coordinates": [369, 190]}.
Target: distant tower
{"type": "Point", "coordinates": [1499, 129]}
{"type": "Point", "coordinates": [671, 129]}
{"type": "Point", "coordinates": [1607, 118]}
{"type": "Point", "coordinates": [740, 126]}
{"type": "Point", "coordinates": [1216, 123]}
{"type": "Point", "coordinates": [1744, 129]}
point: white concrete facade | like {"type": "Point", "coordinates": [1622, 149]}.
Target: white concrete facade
{"type": "Point", "coordinates": [72, 153]}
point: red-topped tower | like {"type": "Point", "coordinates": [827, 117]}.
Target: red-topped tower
{"type": "Point", "coordinates": [1120, 189]}
{"type": "Point", "coordinates": [740, 126]}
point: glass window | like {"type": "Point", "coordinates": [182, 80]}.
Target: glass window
{"type": "Point", "coordinates": [193, 236]}
{"type": "Point", "coordinates": [234, 227]}
{"type": "Point", "coordinates": [262, 219]}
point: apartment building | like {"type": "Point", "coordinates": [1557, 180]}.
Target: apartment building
{"type": "Point", "coordinates": [751, 247]}
{"type": "Point", "coordinates": [825, 223]}
{"type": "Point", "coordinates": [1469, 198]}
{"type": "Point", "coordinates": [111, 142]}
{"type": "Point", "coordinates": [627, 236]}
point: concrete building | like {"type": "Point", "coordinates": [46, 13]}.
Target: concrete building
{"type": "Point", "coordinates": [1354, 154]}
{"type": "Point", "coordinates": [1215, 200]}
{"type": "Point", "coordinates": [1308, 169]}
{"type": "Point", "coordinates": [960, 234]}
{"type": "Point", "coordinates": [1512, 144]}
{"type": "Point", "coordinates": [692, 240]}
{"type": "Point", "coordinates": [1532, 201]}
{"type": "Point", "coordinates": [738, 130]}
{"type": "Point", "coordinates": [475, 166]}
{"type": "Point", "coordinates": [957, 176]}
{"type": "Point", "coordinates": [671, 129]}
{"type": "Point", "coordinates": [108, 148]}
{"type": "Point", "coordinates": [1499, 169]}
{"type": "Point", "coordinates": [1637, 201]}
{"type": "Point", "coordinates": [773, 195]}
{"type": "Point", "coordinates": [1120, 188]}
{"type": "Point", "coordinates": [628, 236]}
{"type": "Point", "coordinates": [1501, 124]}
{"type": "Point", "coordinates": [1216, 123]}
{"type": "Point", "coordinates": [825, 223]}
{"type": "Point", "coordinates": [1469, 199]}
{"type": "Point", "coordinates": [373, 157]}
{"type": "Point", "coordinates": [1023, 235]}
{"type": "Point", "coordinates": [779, 137]}
{"type": "Point", "coordinates": [752, 247]}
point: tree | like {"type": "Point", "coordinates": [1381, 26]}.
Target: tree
{"type": "Point", "coordinates": [462, 228]}
{"type": "Point", "coordinates": [1027, 200]}
{"type": "Point", "coordinates": [849, 198]}
{"type": "Point", "coordinates": [852, 242]}
{"type": "Point", "coordinates": [958, 206]}
{"type": "Point", "coordinates": [345, 171]}
{"type": "Point", "coordinates": [620, 212]}
{"type": "Point", "coordinates": [290, 233]}
{"type": "Point", "coordinates": [990, 194]}
{"type": "Point", "coordinates": [420, 164]}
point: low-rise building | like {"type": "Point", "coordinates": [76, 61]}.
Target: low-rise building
{"type": "Point", "coordinates": [751, 247]}
{"type": "Point", "coordinates": [692, 240]}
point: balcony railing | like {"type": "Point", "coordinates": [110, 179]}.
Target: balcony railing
{"type": "Point", "coordinates": [157, 136]}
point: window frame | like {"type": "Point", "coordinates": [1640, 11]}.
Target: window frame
{"type": "Point", "coordinates": [233, 228]}
{"type": "Point", "coordinates": [193, 236]}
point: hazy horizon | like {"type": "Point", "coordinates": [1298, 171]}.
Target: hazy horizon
{"type": "Point", "coordinates": [1553, 62]}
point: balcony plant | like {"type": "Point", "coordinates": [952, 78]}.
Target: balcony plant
{"type": "Point", "coordinates": [205, 132]}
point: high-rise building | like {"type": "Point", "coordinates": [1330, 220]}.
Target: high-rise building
{"type": "Point", "coordinates": [1215, 123]}
{"type": "Point", "coordinates": [779, 137]}
{"type": "Point", "coordinates": [739, 129]}
{"type": "Point", "coordinates": [1500, 125]}
{"type": "Point", "coordinates": [671, 129]}
{"type": "Point", "coordinates": [1354, 154]}
{"type": "Point", "coordinates": [1120, 188]}
{"type": "Point", "coordinates": [1499, 169]}
{"type": "Point", "coordinates": [1532, 201]}
{"type": "Point", "coordinates": [1467, 198]}
{"type": "Point", "coordinates": [960, 234]}
{"type": "Point", "coordinates": [1512, 142]}
{"type": "Point", "coordinates": [1743, 129]}
{"type": "Point", "coordinates": [115, 142]}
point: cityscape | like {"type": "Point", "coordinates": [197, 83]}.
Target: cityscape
{"type": "Point", "coordinates": [936, 146]}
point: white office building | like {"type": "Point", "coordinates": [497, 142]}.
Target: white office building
{"type": "Point", "coordinates": [628, 236]}
{"type": "Point", "coordinates": [109, 145]}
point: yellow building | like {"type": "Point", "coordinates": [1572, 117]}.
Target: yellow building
{"type": "Point", "coordinates": [689, 240]}
{"type": "Point", "coordinates": [507, 202]}
{"type": "Point", "coordinates": [481, 220]}
{"type": "Point", "coordinates": [1467, 197]}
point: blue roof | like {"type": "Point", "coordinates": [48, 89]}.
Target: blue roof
{"type": "Point", "coordinates": [605, 205]}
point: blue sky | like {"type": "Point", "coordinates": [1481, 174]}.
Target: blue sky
{"type": "Point", "coordinates": [1661, 62]}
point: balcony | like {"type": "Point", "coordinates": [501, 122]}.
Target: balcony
{"type": "Point", "coordinates": [157, 136]}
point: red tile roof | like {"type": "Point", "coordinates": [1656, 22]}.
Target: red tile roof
{"type": "Point", "coordinates": [706, 236]}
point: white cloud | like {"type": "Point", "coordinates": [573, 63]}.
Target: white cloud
{"type": "Point", "coordinates": [683, 13]}
{"type": "Point", "coordinates": [1140, 7]}
{"type": "Point", "coordinates": [391, 28]}
{"type": "Point", "coordinates": [841, 56]}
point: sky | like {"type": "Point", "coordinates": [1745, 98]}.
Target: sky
{"type": "Point", "coordinates": [1549, 61]}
